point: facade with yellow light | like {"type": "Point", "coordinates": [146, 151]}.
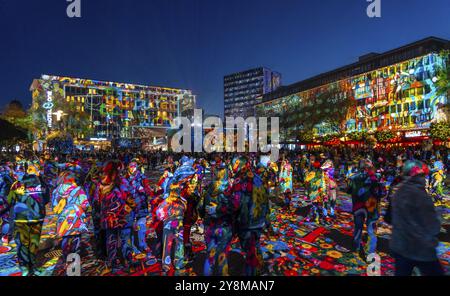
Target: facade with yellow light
{"type": "Point", "coordinates": [107, 111]}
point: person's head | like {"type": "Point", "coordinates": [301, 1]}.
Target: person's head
{"type": "Point", "coordinates": [33, 168]}
{"type": "Point", "coordinates": [367, 165]}
{"type": "Point", "coordinates": [413, 168]}
{"type": "Point", "coordinates": [239, 164]}
{"type": "Point", "coordinates": [67, 177]}
{"type": "Point", "coordinates": [316, 164]}
{"type": "Point", "coordinates": [328, 164]}
{"type": "Point", "coordinates": [47, 155]}
{"type": "Point", "coordinates": [133, 166]}
{"type": "Point", "coordinates": [111, 171]}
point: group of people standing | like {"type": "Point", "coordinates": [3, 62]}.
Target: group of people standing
{"type": "Point", "coordinates": [133, 218]}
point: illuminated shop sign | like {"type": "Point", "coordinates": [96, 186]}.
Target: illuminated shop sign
{"type": "Point", "coordinates": [49, 106]}
{"type": "Point", "coordinates": [415, 134]}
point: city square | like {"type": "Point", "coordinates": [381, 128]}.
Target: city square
{"type": "Point", "coordinates": [184, 154]}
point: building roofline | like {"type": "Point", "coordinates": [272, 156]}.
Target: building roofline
{"type": "Point", "coordinates": [248, 70]}
{"type": "Point", "coordinates": [116, 82]}
{"type": "Point", "coordinates": [362, 60]}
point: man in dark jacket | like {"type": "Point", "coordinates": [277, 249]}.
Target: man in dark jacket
{"type": "Point", "coordinates": [415, 224]}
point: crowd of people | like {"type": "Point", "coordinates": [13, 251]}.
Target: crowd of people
{"type": "Point", "coordinates": [233, 195]}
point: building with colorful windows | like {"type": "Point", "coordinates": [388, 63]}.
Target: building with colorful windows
{"type": "Point", "coordinates": [92, 109]}
{"type": "Point", "coordinates": [401, 91]}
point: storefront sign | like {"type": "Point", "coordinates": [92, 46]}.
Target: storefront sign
{"type": "Point", "coordinates": [415, 134]}
{"type": "Point", "coordinates": [49, 106]}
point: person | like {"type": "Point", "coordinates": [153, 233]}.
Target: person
{"type": "Point", "coordinates": [272, 185]}
{"type": "Point", "coordinates": [331, 188]}
{"type": "Point", "coordinates": [27, 199]}
{"type": "Point", "coordinates": [250, 198]}
{"type": "Point", "coordinates": [366, 192]}
{"type": "Point", "coordinates": [156, 198]}
{"type": "Point", "coordinates": [139, 193]}
{"type": "Point", "coordinates": [200, 168]}
{"type": "Point", "coordinates": [437, 178]}
{"type": "Point", "coordinates": [415, 224]}
{"type": "Point", "coordinates": [171, 213]}
{"type": "Point", "coordinates": [285, 181]}
{"type": "Point", "coordinates": [70, 204]}
{"type": "Point", "coordinates": [116, 206]}
{"type": "Point", "coordinates": [216, 209]}
{"type": "Point", "coordinates": [316, 192]}
{"type": "Point", "coordinates": [191, 195]}
{"type": "Point", "coordinates": [50, 170]}
{"type": "Point", "coordinates": [6, 181]}
{"type": "Point", "coordinates": [91, 182]}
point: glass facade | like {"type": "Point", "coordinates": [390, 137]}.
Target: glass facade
{"type": "Point", "coordinates": [242, 91]}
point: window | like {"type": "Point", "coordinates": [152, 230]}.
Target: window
{"type": "Point", "coordinates": [406, 107]}
{"type": "Point", "coordinates": [420, 105]}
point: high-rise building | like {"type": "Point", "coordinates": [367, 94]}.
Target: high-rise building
{"type": "Point", "coordinates": [400, 92]}
{"type": "Point", "coordinates": [107, 110]}
{"type": "Point", "coordinates": [243, 90]}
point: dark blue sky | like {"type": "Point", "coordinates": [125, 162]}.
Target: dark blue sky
{"type": "Point", "coordinates": [194, 43]}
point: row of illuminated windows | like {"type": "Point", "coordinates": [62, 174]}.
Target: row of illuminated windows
{"type": "Point", "coordinates": [138, 91]}
{"type": "Point", "coordinates": [406, 107]}
{"type": "Point", "coordinates": [116, 102]}
{"type": "Point", "coordinates": [409, 93]}
{"type": "Point", "coordinates": [244, 75]}
{"type": "Point", "coordinates": [397, 108]}
{"type": "Point", "coordinates": [87, 92]}
{"type": "Point", "coordinates": [405, 121]}
{"type": "Point", "coordinates": [250, 98]}
{"type": "Point", "coordinates": [380, 96]}
{"type": "Point", "coordinates": [241, 104]}
{"type": "Point", "coordinates": [240, 84]}
{"type": "Point", "coordinates": [258, 90]}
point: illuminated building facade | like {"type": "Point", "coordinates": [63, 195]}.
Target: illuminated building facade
{"type": "Point", "coordinates": [242, 91]}
{"type": "Point", "coordinates": [398, 90]}
{"type": "Point", "coordinates": [109, 110]}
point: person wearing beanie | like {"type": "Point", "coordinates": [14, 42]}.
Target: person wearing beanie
{"type": "Point", "coordinates": [415, 224]}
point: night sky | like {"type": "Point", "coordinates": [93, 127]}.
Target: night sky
{"type": "Point", "coordinates": [194, 43]}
